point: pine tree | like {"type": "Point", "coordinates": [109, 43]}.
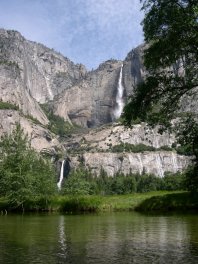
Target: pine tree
{"type": "Point", "coordinates": [24, 175]}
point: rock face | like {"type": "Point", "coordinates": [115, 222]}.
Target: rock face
{"type": "Point", "coordinates": [156, 163]}
{"type": "Point", "coordinates": [96, 151]}
{"type": "Point", "coordinates": [44, 72]}
{"type": "Point", "coordinates": [133, 69]}
{"type": "Point", "coordinates": [106, 137]}
{"type": "Point", "coordinates": [40, 138]}
{"type": "Point", "coordinates": [91, 102]}
{"type": "Point", "coordinates": [32, 73]}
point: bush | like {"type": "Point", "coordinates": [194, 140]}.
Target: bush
{"type": "Point", "coordinates": [57, 124]}
{"type": "Point", "coordinates": [78, 183]}
{"type": "Point", "coordinates": [166, 148]}
{"type": "Point", "coordinates": [174, 182]}
{"type": "Point", "coordinates": [6, 105]}
{"type": "Point", "coordinates": [191, 182]}
{"type": "Point", "coordinates": [83, 183]}
{"type": "Point", "coordinates": [148, 183]}
{"type": "Point", "coordinates": [185, 150]}
{"type": "Point", "coordinates": [126, 147]}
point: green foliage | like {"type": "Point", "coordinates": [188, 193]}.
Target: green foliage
{"type": "Point", "coordinates": [174, 182]}
{"type": "Point", "coordinates": [9, 63]}
{"type": "Point", "coordinates": [98, 203]}
{"type": "Point", "coordinates": [24, 175]}
{"type": "Point", "coordinates": [126, 147]}
{"type": "Point", "coordinates": [81, 182]}
{"type": "Point", "coordinates": [147, 183]}
{"type": "Point", "coordinates": [184, 150]}
{"type": "Point", "coordinates": [170, 28]}
{"type": "Point", "coordinates": [77, 184]}
{"type": "Point", "coordinates": [171, 60]}
{"type": "Point", "coordinates": [169, 202]}
{"type": "Point", "coordinates": [166, 148]}
{"type": "Point", "coordinates": [34, 120]}
{"type": "Point", "coordinates": [188, 135]}
{"type": "Point", "coordinates": [6, 105]}
{"type": "Point", "coordinates": [192, 179]}
{"type": "Point", "coordinates": [79, 203]}
{"type": "Point", "coordinates": [57, 124]}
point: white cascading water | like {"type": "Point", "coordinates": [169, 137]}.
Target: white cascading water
{"type": "Point", "coordinates": [159, 166]}
{"type": "Point", "coordinates": [119, 97]}
{"type": "Point", "coordinates": [61, 175]}
{"type": "Point", "coordinates": [174, 161]}
{"type": "Point", "coordinates": [141, 168]}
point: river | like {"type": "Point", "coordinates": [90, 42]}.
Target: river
{"type": "Point", "coordinates": [98, 238]}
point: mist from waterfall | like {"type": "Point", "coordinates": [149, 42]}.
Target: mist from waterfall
{"type": "Point", "coordinates": [119, 97]}
{"type": "Point", "coordinates": [61, 175]}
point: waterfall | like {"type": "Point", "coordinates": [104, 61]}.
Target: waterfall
{"type": "Point", "coordinates": [61, 175]}
{"type": "Point", "coordinates": [174, 161]}
{"type": "Point", "coordinates": [141, 168]}
{"type": "Point", "coordinates": [160, 170]}
{"type": "Point", "coordinates": [119, 97]}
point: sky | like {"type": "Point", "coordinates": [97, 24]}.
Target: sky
{"type": "Point", "coordinates": [86, 31]}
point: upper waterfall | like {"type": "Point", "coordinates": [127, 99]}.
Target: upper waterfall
{"type": "Point", "coordinates": [119, 97]}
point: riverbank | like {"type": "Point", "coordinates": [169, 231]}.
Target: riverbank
{"type": "Point", "coordinates": [162, 201]}
{"type": "Point", "coordinates": [182, 201]}
{"type": "Point", "coordinates": [92, 203]}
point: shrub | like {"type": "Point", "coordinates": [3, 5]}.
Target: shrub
{"type": "Point", "coordinates": [185, 150]}
{"type": "Point", "coordinates": [57, 124]}
{"type": "Point", "coordinates": [6, 105]}
{"type": "Point", "coordinates": [147, 183]}
{"type": "Point", "coordinates": [174, 182]}
{"type": "Point", "coordinates": [132, 148]}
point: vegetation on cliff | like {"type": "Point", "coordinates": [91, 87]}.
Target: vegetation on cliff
{"type": "Point", "coordinates": [57, 124]}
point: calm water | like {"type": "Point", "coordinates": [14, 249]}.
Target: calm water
{"type": "Point", "coordinates": [105, 238]}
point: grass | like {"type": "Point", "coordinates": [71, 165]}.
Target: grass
{"type": "Point", "coordinates": [9, 106]}
{"type": "Point", "coordinates": [162, 201]}
{"type": "Point", "coordinates": [93, 203]}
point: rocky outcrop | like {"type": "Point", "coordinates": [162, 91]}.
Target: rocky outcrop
{"type": "Point", "coordinates": [95, 150]}
{"type": "Point", "coordinates": [12, 90]}
{"type": "Point", "coordinates": [107, 137]}
{"type": "Point", "coordinates": [91, 102]}
{"type": "Point", "coordinates": [156, 163]}
{"type": "Point", "coordinates": [44, 72]}
{"type": "Point", "coordinates": [133, 69]}
{"type": "Point", "coordinates": [40, 138]}
{"type": "Point", "coordinates": [32, 73]}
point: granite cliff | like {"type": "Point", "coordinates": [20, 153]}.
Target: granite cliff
{"type": "Point", "coordinates": [32, 74]}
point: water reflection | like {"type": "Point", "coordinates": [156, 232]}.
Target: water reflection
{"type": "Point", "coordinates": [106, 238]}
{"type": "Point", "coordinates": [62, 239]}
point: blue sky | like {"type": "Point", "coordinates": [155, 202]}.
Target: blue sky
{"type": "Point", "coordinates": [85, 31]}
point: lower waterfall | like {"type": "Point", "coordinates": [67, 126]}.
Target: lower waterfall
{"type": "Point", "coordinates": [61, 175]}
{"type": "Point", "coordinates": [119, 97]}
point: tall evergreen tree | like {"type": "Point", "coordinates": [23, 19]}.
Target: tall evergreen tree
{"type": "Point", "coordinates": [24, 175]}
